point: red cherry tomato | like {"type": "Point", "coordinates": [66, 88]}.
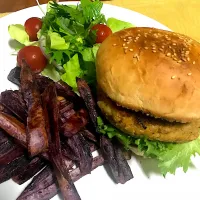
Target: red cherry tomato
{"type": "Point", "coordinates": [32, 26]}
{"type": "Point", "coordinates": [103, 32]}
{"type": "Point", "coordinates": [33, 57]}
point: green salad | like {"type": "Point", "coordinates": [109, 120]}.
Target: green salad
{"type": "Point", "coordinates": [67, 37]}
{"type": "Point", "coordinates": [69, 40]}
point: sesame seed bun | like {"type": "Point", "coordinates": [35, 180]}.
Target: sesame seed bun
{"type": "Point", "coordinates": [153, 71]}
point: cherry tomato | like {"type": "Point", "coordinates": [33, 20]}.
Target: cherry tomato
{"type": "Point", "coordinates": [32, 26]}
{"type": "Point", "coordinates": [33, 57]}
{"type": "Point", "coordinates": [103, 32]}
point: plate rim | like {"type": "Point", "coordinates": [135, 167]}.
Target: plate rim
{"type": "Point", "coordinates": [104, 4]}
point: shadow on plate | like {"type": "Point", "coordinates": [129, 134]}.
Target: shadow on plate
{"type": "Point", "coordinates": [147, 165]}
{"type": "Point", "coordinates": [14, 44]}
{"type": "Point", "coordinates": [150, 166]}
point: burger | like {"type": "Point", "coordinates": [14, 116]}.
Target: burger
{"type": "Point", "coordinates": [149, 92]}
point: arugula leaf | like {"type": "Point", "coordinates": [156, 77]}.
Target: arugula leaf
{"type": "Point", "coordinates": [91, 9]}
{"type": "Point", "coordinates": [68, 12]}
{"type": "Point", "coordinates": [67, 33]}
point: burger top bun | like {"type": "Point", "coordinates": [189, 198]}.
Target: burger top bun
{"type": "Point", "coordinates": [153, 71]}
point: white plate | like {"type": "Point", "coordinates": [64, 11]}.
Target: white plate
{"type": "Point", "coordinates": [147, 182]}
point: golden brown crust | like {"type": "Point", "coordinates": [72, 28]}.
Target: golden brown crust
{"type": "Point", "coordinates": [140, 125]}
{"type": "Point", "coordinates": [153, 71]}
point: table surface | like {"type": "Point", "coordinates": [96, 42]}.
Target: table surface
{"type": "Point", "coordinates": [179, 15]}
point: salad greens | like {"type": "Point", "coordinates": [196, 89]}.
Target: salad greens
{"type": "Point", "coordinates": [73, 70]}
{"type": "Point", "coordinates": [169, 155]}
{"type": "Point", "coordinates": [117, 25]}
{"type": "Point", "coordinates": [17, 32]}
{"type": "Point", "coordinates": [67, 39]}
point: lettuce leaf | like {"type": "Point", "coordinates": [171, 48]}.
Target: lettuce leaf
{"type": "Point", "coordinates": [51, 72]}
{"type": "Point", "coordinates": [17, 32]}
{"type": "Point", "coordinates": [117, 25]}
{"type": "Point", "coordinates": [57, 42]}
{"type": "Point", "coordinates": [88, 64]}
{"type": "Point", "coordinates": [170, 156]}
{"type": "Point", "coordinates": [111, 132]}
{"type": "Point", "coordinates": [72, 70]}
{"type": "Point", "coordinates": [83, 67]}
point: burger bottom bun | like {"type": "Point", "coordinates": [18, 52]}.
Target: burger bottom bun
{"type": "Point", "coordinates": [139, 125]}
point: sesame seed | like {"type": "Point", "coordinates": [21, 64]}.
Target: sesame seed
{"type": "Point", "coordinates": [173, 77]}
{"type": "Point", "coordinates": [125, 40]}
{"type": "Point", "coordinates": [174, 58]}
{"type": "Point", "coordinates": [174, 50]}
{"type": "Point", "coordinates": [154, 51]}
{"type": "Point", "coordinates": [155, 35]}
{"type": "Point", "coordinates": [129, 37]}
{"type": "Point", "coordinates": [193, 62]}
{"type": "Point", "coordinates": [184, 59]}
{"type": "Point", "coordinates": [128, 42]}
{"type": "Point", "coordinates": [188, 59]}
{"type": "Point", "coordinates": [153, 48]}
{"type": "Point", "coordinates": [189, 74]}
{"type": "Point", "coordinates": [187, 52]}
{"type": "Point", "coordinates": [153, 45]}
{"type": "Point", "coordinates": [161, 49]}
{"type": "Point", "coordinates": [162, 46]}
{"type": "Point", "coordinates": [168, 54]}
{"type": "Point", "coordinates": [179, 61]}
{"type": "Point", "coordinates": [124, 45]}
{"type": "Point", "coordinates": [130, 49]}
{"type": "Point", "coordinates": [125, 51]}
{"type": "Point", "coordinates": [114, 44]}
{"type": "Point", "coordinates": [170, 47]}
{"type": "Point", "coordinates": [174, 44]}
{"type": "Point", "coordinates": [168, 39]}
{"type": "Point", "coordinates": [135, 40]}
{"type": "Point", "coordinates": [146, 47]}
